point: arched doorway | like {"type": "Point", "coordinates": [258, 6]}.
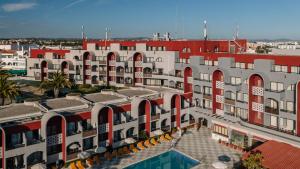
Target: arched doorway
{"type": "Point", "coordinates": [218, 92]}
{"type": "Point", "coordinates": [44, 70]}
{"type": "Point", "coordinates": [105, 134]}
{"type": "Point", "coordinates": [175, 110]}
{"type": "Point", "coordinates": [256, 99]}
{"type": "Point", "coordinates": [144, 111]}
{"type": "Point", "coordinates": [188, 80]}
{"type": "Point", "coordinates": [137, 68]}
{"type": "Point", "coordinates": [55, 136]}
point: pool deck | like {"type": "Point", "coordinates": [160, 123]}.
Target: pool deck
{"type": "Point", "coordinates": [197, 144]}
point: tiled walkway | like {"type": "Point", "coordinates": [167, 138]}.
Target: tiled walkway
{"type": "Point", "coordinates": [197, 144]}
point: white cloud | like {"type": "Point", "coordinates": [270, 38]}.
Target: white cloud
{"type": "Point", "coordinates": [12, 7]}
{"type": "Point", "coordinates": [73, 3]}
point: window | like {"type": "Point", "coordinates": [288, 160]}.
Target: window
{"type": "Point", "coordinates": [220, 130]}
{"type": "Point", "coordinates": [290, 106]}
{"type": "Point", "coordinates": [279, 68]}
{"type": "Point", "coordinates": [240, 65]}
{"type": "Point", "coordinates": [250, 66]}
{"type": "Point", "coordinates": [236, 80]}
{"type": "Point", "coordinates": [295, 69]}
{"type": "Point", "coordinates": [276, 86]}
{"type": "Point", "coordinates": [208, 62]}
{"type": "Point", "coordinates": [205, 77]}
{"type": "Point", "coordinates": [207, 90]}
{"type": "Point", "coordinates": [274, 121]}
{"type": "Point", "coordinates": [291, 87]}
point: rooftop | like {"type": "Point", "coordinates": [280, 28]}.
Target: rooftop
{"type": "Point", "coordinates": [98, 97]}
{"type": "Point", "coordinates": [61, 103]}
{"type": "Point", "coordinates": [17, 110]}
{"type": "Point", "coordinates": [135, 92]}
{"type": "Point", "coordinates": [277, 155]}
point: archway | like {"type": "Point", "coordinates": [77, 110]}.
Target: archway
{"type": "Point", "coordinates": [144, 110]}
{"type": "Point", "coordinates": [44, 70]}
{"type": "Point", "coordinates": [175, 109]}
{"type": "Point", "coordinates": [256, 99]}
{"type": "Point", "coordinates": [188, 80]}
{"type": "Point", "coordinates": [218, 92]}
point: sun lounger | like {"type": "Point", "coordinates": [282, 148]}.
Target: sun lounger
{"type": "Point", "coordinates": [80, 165]}
{"type": "Point", "coordinates": [141, 146]}
{"type": "Point", "coordinates": [167, 136]}
{"type": "Point", "coordinates": [133, 149]}
{"type": "Point", "coordinates": [72, 166]}
{"type": "Point", "coordinates": [148, 144]}
{"type": "Point", "coordinates": [153, 141]}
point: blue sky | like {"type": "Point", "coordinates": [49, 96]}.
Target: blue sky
{"type": "Point", "coordinates": [135, 18]}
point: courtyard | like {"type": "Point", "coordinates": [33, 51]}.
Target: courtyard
{"type": "Point", "coordinates": [197, 144]}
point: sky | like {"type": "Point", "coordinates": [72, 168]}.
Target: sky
{"type": "Point", "coordinates": [256, 19]}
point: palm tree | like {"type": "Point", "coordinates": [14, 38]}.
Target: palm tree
{"type": "Point", "coordinates": [8, 89]}
{"type": "Point", "coordinates": [254, 161]}
{"type": "Point", "coordinates": [57, 82]}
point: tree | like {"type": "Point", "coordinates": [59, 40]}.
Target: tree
{"type": "Point", "coordinates": [253, 161]}
{"type": "Point", "coordinates": [8, 89]}
{"type": "Point", "coordinates": [57, 82]}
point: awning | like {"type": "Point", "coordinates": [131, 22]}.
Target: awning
{"type": "Point", "coordinates": [100, 150]}
{"type": "Point", "coordinates": [74, 146]}
{"type": "Point", "coordinates": [84, 155]}
{"type": "Point", "coordinates": [130, 140]}
{"type": "Point", "coordinates": [158, 132]}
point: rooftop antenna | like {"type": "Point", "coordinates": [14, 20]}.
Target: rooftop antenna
{"type": "Point", "coordinates": [82, 32]}
{"type": "Point", "coordinates": [107, 32]}
{"type": "Point", "coordinates": [205, 30]}
{"type": "Point", "coordinates": [236, 36]}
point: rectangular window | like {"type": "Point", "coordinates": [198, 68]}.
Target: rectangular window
{"type": "Point", "coordinates": [276, 86]}
{"type": "Point", "coordinates": [290, 106]}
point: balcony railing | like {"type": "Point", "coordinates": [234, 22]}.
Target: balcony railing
{"type": "Point", "coordinates": [34, 141]}
{"type": "Point", "coordinates": [155, 117]}
{"type": "Point", "coordinates": [30, 164]}
{"type": "Point", "coordinates": [165, 128]}
{"type": "Point", "coordinates": [229, 101]}
{"type": "Point", "coordinates": [207, 96]}
{"type": "Point", "coordinates": [147, 74]}
{"type": "Point", "coordinates": [271, 110]}
{"type": "Point", "coordinates": [87, 133]}
{"type": "Point", "coordinates": [73, 155]}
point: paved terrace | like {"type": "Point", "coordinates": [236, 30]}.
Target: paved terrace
{"type": "Point", "coordinates": [98, 97]}
{"type": "Point", "coordinates": [135, 92]}
{"type": "Point", "coordinates": [61, 103]}
{"type": "Point", "coordinates": [197, 144]}
{"type": "Point", "coordinates": [17, 110]}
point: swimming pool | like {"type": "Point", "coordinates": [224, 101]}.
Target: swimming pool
{"type": "Point", "coordinates": [169, 160]}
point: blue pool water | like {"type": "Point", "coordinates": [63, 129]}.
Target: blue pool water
{"type": "Point", "coordinates": [168, 160]}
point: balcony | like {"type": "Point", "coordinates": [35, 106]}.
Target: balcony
{"type": "Point", "coordinates": [90, 132]}
{"type": "Point", "coordinates": [103, 128]}
{"type": "Point", "coordinates": [15, 146]}
{"type": "Point", "coordinates": [117, 122]}
{"type": "Point", "coordinates": [142, 119]}
{"type": "Point", "coordinates": [30, 164]}
{"type": "Point", "coordinates": [73, 155]}
{"type": "Point", "coordinates": [71, 133]}
{"type": "Point", "coordinates": [102, 62]}
{"type": "Point", "coordinates": [119, 73]}
{"type": "Point", "coordinates": [258, 91]}
{"type": "Point", "coordinates": [147, 74]}
{"type": "Point", "coordinates": [229, 101]}
{"type": "Point", "coordinates": [271, 110]}
{"type": "Point", "coordinates": [34, 141]}
{"type": "Point", "coordinates": [219, 85]}
{"type": "Point", "coordinates": [54, 139]}
{"type": "Point", "coordinates": [155, 117]}
{"type": "Point", "coordinates": [207, 96]}
{"type": "Point", "coordinates": [102, 72]}
{"type": "Point", "coordinates": [165, 128]}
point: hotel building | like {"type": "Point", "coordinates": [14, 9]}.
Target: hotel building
{"type": "Point", "coordinates": [243, 98]}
